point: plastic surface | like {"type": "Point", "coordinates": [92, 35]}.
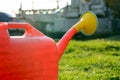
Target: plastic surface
{"type": "Point", "coordinates": [87, 24]}
{"type": "Point", "coordinates": [33, 56]}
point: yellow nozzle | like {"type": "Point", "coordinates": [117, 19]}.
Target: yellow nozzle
{"type": "Point", "coordinates": [87, 24]}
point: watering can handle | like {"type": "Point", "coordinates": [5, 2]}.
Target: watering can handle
{"type": "Point", "coordinates": [29, 30]}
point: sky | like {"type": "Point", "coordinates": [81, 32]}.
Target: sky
{"type": "Point", "coordinates": [12, 6]}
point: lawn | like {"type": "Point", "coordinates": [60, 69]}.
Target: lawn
{"type": "Point", "coordinates": [97, 59]}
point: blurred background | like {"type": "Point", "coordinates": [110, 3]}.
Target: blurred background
{"type": "Point", "coordinates": [95, 57]}
{"type": "Point", "coordinates": [57, 16]}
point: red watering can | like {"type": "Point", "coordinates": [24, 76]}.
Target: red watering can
{"type": "Point", "coordinates": [35, 56]}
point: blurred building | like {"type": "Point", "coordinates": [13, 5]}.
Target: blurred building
{"type": "Point", "coordinates": [61, 19]}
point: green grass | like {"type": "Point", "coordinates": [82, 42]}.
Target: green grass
{"type": "Point", "coordinates": [91, 60]}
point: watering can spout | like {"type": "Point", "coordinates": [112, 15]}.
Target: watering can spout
{"type": "Point", "coordinates": [87, 24]}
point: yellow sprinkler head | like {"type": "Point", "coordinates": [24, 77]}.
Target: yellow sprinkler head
{"type": "Point", "coordinates": [87, 24]}
{"type": "Point", "coordinates": [90, 24]}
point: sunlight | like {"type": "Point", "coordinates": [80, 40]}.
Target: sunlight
{"type": "Point", "coordinates": [12, 6]}
{"type": "Point", "coordinates": [43, 4]}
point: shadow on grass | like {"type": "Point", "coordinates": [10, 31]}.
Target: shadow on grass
{"type": "Point", "coordinates": [115, 38]}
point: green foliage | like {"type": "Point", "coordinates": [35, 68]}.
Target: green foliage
{"type": "Point", "coordinates": [91, 60]}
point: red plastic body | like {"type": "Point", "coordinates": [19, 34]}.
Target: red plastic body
{"type": "Point", "coordinates": [32, 56]}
